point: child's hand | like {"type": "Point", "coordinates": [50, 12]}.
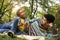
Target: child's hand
{"type": "Point", "coordinates": [20, 24]}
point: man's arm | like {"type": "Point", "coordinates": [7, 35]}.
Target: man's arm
{"type": "Point", "coordinates": [54, 31]}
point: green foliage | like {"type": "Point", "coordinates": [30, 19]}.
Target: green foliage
{"type": "Point", "coordinates": [5, 7]}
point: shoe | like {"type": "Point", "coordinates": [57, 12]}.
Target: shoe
{"type": "Point", "coordinates": [11, 34]}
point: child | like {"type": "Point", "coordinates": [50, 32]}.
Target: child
{"type": "Point", "coordinates": [20, 25]}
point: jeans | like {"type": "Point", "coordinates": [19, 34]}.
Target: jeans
{"type": "Point", "coordinates": [4, 30]}
{"type": "Point", "coordinates": [15, 28]}
{"type": "Point", "coordinates": [5, 27]}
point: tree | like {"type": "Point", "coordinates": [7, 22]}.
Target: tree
{"type": "Point", "coordinates": [5, 6]}
{"type": "Point", "coordinates": [57, 15]}
{"type": "Point", "coordinates": [46, 5]}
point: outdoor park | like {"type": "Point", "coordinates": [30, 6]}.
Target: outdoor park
{"type": "Point", "coordinates": [34, 9]}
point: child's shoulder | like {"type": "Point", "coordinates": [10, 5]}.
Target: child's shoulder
{"type": "Point", "coordinates": [17, 18]}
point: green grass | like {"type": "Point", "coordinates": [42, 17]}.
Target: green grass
{"type": "Point", "coordinates": [5, 37]}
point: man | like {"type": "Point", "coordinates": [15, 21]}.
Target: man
{"type": "Point", "coordinates": [40, 27]}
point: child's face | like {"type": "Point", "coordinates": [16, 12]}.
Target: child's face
{"type": "Point", "coordinates": [22, 13]}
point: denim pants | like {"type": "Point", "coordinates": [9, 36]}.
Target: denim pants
{"type": "Point", "coordinates": [15, 28]}
{"type": "Point", "coordinates": [5, 27]}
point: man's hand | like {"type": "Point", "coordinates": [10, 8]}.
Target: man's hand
{"type": "Point", "coordinates": [54, 31]}
{"type": "Point", "coordinates": [51, 24]}
{"type": "Point", "coordinates": [26, 25]}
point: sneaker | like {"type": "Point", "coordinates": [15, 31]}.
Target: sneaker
{"type": "Point", "coordinates": [11, 34]}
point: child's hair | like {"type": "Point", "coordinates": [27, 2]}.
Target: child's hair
{"type": "Point", "coordinates": [50, 18]}
{"type": "Point", "coordinates": [18, 13]}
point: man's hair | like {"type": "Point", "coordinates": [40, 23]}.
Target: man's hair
{"type": "Point", "coordinates": [50, 18]}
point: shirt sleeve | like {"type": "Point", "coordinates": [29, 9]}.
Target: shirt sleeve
{"type": "Point", "coordinates": [54, 31]}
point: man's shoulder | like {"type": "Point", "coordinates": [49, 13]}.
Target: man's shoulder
{"type": "Point", "coordinates": [39, 20]}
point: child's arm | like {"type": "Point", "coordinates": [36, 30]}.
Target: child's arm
{"type": "Point", "coordinates": [20, 24]}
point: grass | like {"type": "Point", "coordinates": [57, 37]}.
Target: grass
{"type": "Point", "coordinates": [5, 37]}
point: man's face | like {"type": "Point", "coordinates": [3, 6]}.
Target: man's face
{"type": "Point", "coordinates": [22, 13]}
{"type": "Point", "coordinates": [45, 22]}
